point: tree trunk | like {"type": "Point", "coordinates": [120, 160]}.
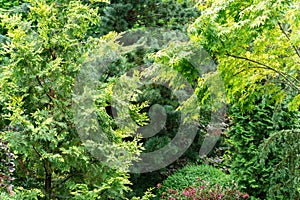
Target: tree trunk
{"type": "Point", "coordinates": [48, 179]}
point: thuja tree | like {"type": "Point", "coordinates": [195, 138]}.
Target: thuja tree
{"type": "Point", "coordinates": [45, 49]}
{"type": "Point", "coordinates": [256, 45]}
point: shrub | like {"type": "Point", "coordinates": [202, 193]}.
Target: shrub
{"type": "Point", "coordinates": [188, 175]}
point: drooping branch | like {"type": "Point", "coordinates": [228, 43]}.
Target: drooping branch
{"type": "Point", "coordinates": [264, 66]}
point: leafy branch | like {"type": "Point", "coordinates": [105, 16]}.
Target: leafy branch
{"type": "Point", "coordinates": [264, 66]}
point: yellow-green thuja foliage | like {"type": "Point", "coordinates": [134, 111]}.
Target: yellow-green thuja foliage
{"type": "Point", "coordinates": [46, 46]}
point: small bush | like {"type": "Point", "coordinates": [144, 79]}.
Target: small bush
{"type": "Point", "coordinates": [188, 175]}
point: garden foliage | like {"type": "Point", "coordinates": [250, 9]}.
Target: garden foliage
{"type": "Point", "coordinates": [241, 61]}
